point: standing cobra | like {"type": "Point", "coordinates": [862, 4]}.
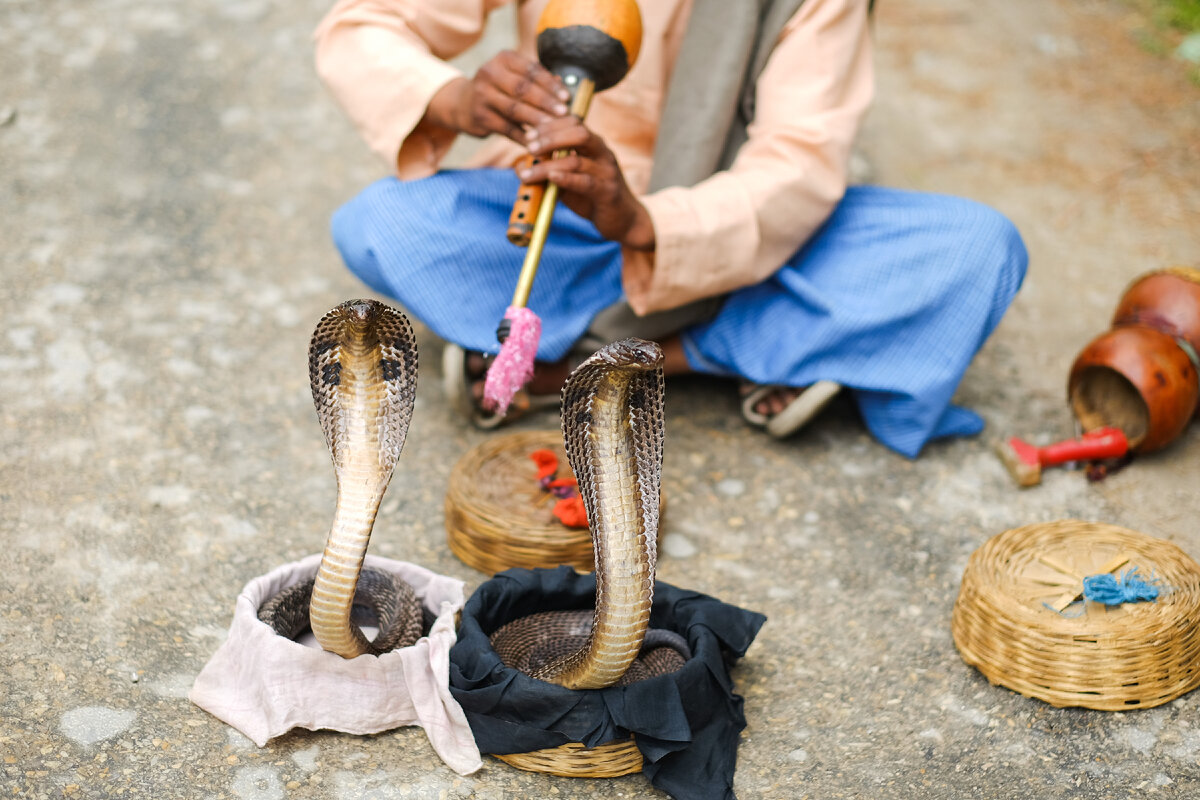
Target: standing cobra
{"type": "Point", "coordinates": [612, 420]}
{"type": "Point", "coordinates": [362, 365]}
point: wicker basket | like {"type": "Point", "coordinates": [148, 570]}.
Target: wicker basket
{"type": "Point", "coordinates": [573, 760]}
{"type": "Point", "coordinates": [498, 517]}
{"type": "Point", "coordinates": [1019, 619]}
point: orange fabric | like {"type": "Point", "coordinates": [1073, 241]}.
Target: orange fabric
{"type": "Point", "coordinates": [384, 60]}
{"type": "Point", "coordinates": [546, 461]}
{"type": "Point", "coordinates": [570, 512]}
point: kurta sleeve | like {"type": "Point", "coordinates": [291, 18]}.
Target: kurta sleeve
{"type": "Point", "coordinates": [737, 227]}
{"type": "Point", "coordinates": [384, 60]}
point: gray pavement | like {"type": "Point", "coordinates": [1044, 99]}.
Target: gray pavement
{"type": "Point", "coordinates": [167, 171]}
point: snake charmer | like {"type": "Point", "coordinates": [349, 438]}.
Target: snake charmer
{"type": "Point", "coordinates": [705, 205]}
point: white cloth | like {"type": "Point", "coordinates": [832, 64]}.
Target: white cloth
{"type": "Point", "coordinates": [264, 684]}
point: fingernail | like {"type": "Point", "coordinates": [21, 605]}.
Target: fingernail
{"type": "Point", "coordinates": [524, 174]}
{"type": "Point", "coordinates": [533, 145]}
{"type": "Point", "coordinates": [564, 95]}
{"type": "Point", "coordinates": [560, 109]}
{"type": "Point", "coordinates": [530, 134]}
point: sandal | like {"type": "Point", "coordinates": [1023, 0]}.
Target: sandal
{"type": "Point", "coordinates": [456, 382]}
{"type": "Point", "coordinates": [796, 414]}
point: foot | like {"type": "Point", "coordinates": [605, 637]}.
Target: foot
{"type": "Point", "coordinates": [773, 401]}
{"type": "Point", "coordinates": [547, 379]}
{"type": "Point", "coordinates": [784, 410]}
{"type": "Point", "coordinates": [463, 376]}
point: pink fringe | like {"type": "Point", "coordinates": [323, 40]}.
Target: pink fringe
{"type": "Point", "coordinates": [513, 366]}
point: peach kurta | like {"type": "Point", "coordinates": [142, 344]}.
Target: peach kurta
{"type": "Point", "coordinates": [384, 60]}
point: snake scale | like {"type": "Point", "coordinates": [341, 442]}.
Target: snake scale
{"type": "Point", "coordinates": [612, 421]}
{"type": "Point", "coordinates": [362, 364]}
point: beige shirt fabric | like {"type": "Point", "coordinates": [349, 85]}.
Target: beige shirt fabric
{"type": "Point", "coordinates": [384, 60]}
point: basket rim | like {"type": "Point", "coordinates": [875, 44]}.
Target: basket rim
{"type": "Point", "coordinates": [576, 760]}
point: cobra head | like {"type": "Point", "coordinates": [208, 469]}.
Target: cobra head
{"type": "Point", "coordinates": [363, 366]}
{"type": "Point", "coordinates": [637, 355]}
{"type": "Point", "coordinates": [594, 39]}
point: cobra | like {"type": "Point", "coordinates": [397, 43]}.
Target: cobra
{"type": "Point", "coordinates": [612, 421]}
{"type": "Point", "coordinates": [362, 364]}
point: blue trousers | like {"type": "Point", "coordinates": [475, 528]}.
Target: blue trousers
{"type": "Point", "coordinates": [891, 297]}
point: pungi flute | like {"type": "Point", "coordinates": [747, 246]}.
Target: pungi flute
{"type": "Point", "coordinates": [590, 45]}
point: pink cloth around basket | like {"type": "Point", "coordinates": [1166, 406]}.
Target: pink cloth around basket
{"type": "Point", "coordinates": [264, 684]}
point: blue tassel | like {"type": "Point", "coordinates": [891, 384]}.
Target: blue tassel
{"type": "Point", "coordinates": [1109, 590]}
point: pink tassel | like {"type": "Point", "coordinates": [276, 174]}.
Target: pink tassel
{"type": "Point", "coordinates": [513, 366]}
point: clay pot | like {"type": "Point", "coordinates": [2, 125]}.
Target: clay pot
{"type": "Point", "coordinates": [1137, 379]}
{"type": "Point", "coordinates": [1166, 300]}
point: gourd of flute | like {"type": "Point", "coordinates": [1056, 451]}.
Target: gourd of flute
{"type": "Point", "coordinates": [595, 39]}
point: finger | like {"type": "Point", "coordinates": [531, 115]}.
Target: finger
{"type": "Point", "coordinates": [573, 173]}
{"type": "Point", "coordinates": [541, 171]}
{"type": "Point", "coordinates": [492, 122]}
{"type": "Point", "coordinates": [531, 83]}
{"type": "Point", "coordinates": [494, 86]}
{"type": "Point", "coordinates": [565, 133]}
{"type": "Point", "coordinates": [533, 70]}
{"type": "Point", "coordinates": [582, 183]}
{"type": "Point", "coordinates": [510, 108]}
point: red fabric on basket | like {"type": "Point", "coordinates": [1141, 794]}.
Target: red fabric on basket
{"type": "Point", "coordinates": [547, 463]}
{"type": "Point", "coordinates": [570, 512]}
{"type": "Point", "coordinates": [569, 509]}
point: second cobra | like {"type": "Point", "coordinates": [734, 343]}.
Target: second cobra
{"type": "Point", "coordinates": [612, 420]}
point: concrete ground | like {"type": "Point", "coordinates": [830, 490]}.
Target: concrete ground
{"type": "Point", "coordinates": [167, 172]}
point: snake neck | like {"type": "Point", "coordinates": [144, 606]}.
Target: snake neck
{"type": "Point", "coordinates": [362, 478]}
{"type": "Point", "coordinates": [623, 538]}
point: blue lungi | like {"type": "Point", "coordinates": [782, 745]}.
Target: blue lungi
{"type": "Point", "coordinates": [891, 297]}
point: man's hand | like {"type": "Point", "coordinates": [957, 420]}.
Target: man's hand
{"type": "Point", "coordinates": [508, 94]}
{"type": "Point", "coordinates": [589, 179]}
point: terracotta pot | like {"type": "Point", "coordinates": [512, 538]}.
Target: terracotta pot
{"type": "Point", "coordinates": [1166, 300]}
{"type": "Point", "coordinates": [1137, 379]}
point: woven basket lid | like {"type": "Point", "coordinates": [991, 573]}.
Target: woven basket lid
{"type": "Point", "coordinates": [497, 516]}
{"type": "Point", "coordinates": [1021, 621]}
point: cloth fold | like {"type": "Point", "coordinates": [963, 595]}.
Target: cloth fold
{"type": "Point", "coordinates": [264, 684]}
{"type": "Point", "coordinates": [685, 724]}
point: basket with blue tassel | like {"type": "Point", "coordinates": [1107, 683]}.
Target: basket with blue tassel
{"type": "Point", "coordinates": [1082, 614]}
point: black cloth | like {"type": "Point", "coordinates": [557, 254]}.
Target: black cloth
{"type": "Point", "coordinates": [686, 724]}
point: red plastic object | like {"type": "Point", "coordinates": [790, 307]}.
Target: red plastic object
{"type": "Point", "coordinates": [1092, 446]}
{"type": "Point", "coordinates": [1025, 461]}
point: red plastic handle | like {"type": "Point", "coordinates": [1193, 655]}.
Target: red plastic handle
{"type": "Point", "coordinates": [1092, 446]}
